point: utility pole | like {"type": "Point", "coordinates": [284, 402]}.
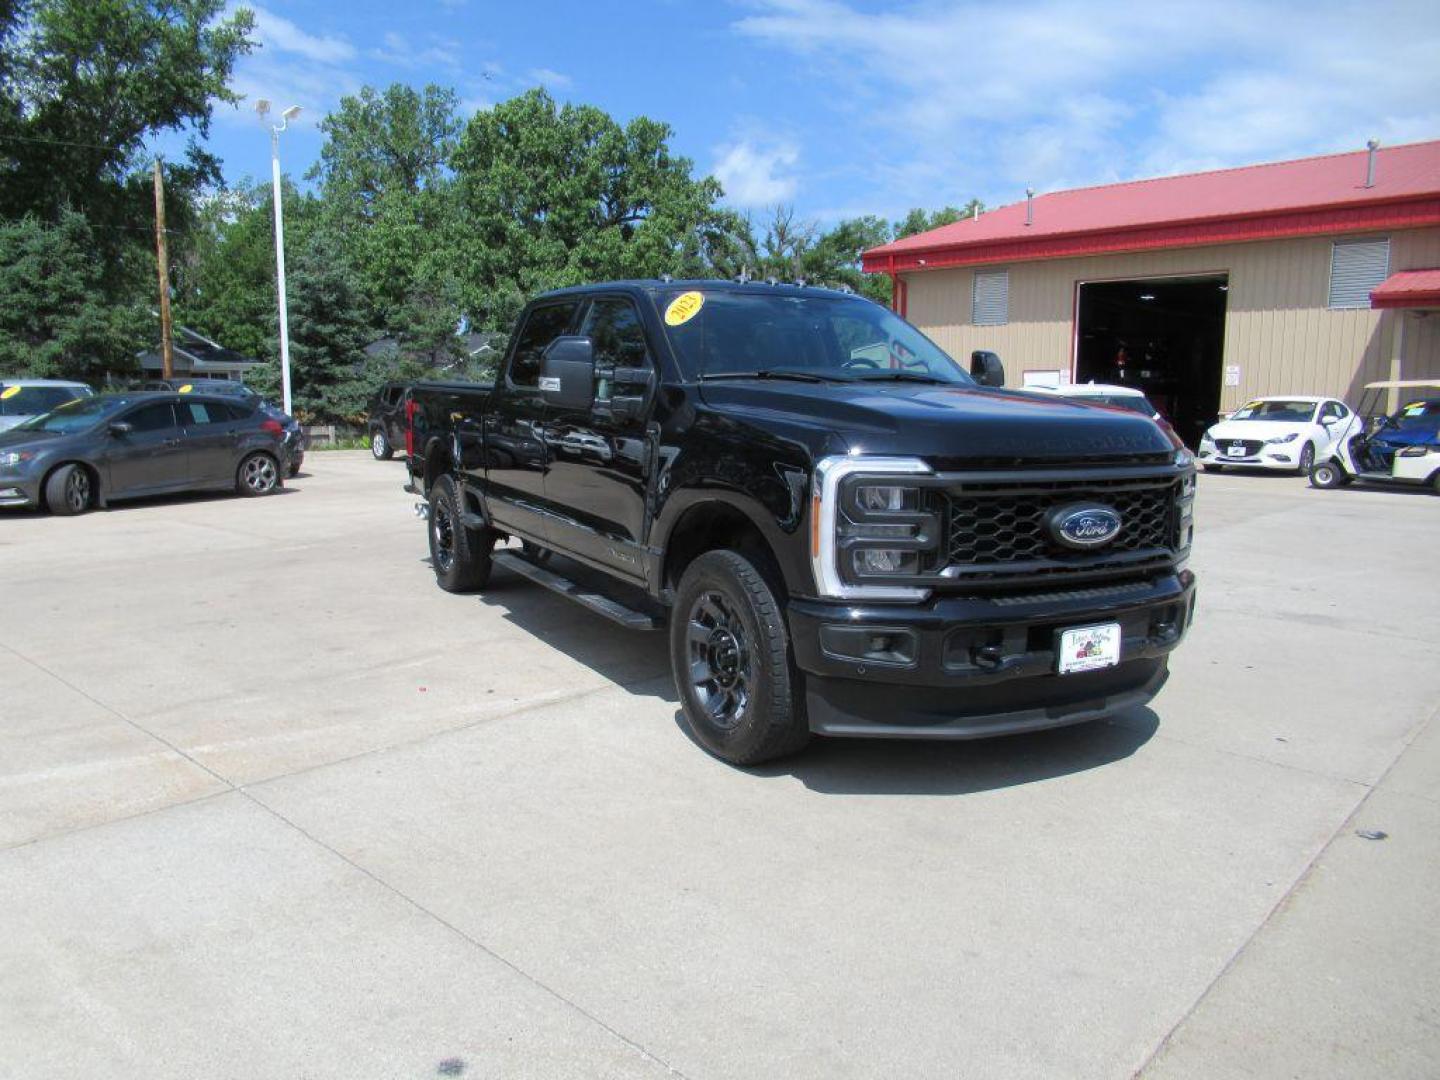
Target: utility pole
{"type": "Point", "coordinates": [167, 350]}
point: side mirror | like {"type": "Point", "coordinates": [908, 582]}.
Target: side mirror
{"type": "Point", "coordinates": [567, 373]}
{"type": "Point", "coordinates": [121, 428]}
{"type": "Point", "coordinates": [986, 368]}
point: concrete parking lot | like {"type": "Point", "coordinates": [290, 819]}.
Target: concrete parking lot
{"type": "Point", "coordinates": [273, 805]}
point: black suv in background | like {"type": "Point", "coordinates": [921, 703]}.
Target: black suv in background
{"type": "Point", "coordinates": [845, 532]}
{"type": "Point", "coordinates": [387, 420]}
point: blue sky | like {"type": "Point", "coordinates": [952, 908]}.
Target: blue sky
{"type": "Point", "coordinates": [842, 107]}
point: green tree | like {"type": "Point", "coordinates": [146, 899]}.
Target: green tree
{"type": "Point", "coordinates": [225, 281]}
{"type": "Point", "coordinates": [548, 196]}
{"type": "Point", "coordinates": [55, 319]}
{"type": "Point", "coordinates": [328, 332]}
{"type": "Point", "coordinates": [918, 221]}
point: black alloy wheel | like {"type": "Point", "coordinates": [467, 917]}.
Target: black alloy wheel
{"type": "Point", "coordinates": [460, 556]}
{"type": "Point", "coordinates": [742, 697]}
{"type": "Point", "coordinates": [721, 667]}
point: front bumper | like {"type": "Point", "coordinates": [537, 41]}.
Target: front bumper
{"type": "Point", "coordinates": [964, 668]}
{"type": "Point", "coordinates": [1278, 457]}
{"type": "Point", "coordinates": [19, 490]}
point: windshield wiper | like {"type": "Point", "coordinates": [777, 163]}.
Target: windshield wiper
{"type": "Point", "coordinates": [766, 373]}
{"type": "Point", "coordinates": [901, 376]}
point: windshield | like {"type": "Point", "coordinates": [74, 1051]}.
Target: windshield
{"type": "Point", "coordinates": [33, 400]}
{"type": "Point", "coordinates": [77, 415]}
{"type": "Point", "coordinates": [841, 338]}
{"type": "Point", "coordinates": [1122, 401]}
{"type": "Point", "coordinates": [1418, 415]}
{"type": "Point", "coordinates": [1294, 412]}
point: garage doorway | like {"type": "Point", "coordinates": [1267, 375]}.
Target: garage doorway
{"type": "Point", "coordinates": [1164, 336]}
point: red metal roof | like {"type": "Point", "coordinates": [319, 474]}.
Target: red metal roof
{"type": "Point", "coordinates": [1408, 288]}
{"type": "Point", "coordinates": [1257, 202]}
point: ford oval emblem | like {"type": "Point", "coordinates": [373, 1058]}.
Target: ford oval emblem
{"type": "Point", "coordinates": [1083, 525]}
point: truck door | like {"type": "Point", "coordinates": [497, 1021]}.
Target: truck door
{"type": "Point", "coordinates": [515, 459]}
{"type": "Point", "coordinates": [595, 485]}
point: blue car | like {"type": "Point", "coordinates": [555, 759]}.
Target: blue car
{"type": "Point", "coordinates": [1416, 424]}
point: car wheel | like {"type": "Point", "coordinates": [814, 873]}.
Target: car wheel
{"type": "Point", "coordinates": [259, 474]}
{"type": "Point", "coordinates": [1327, 475]}
{"type": "Point", "coordinates": [730, 651]}
{"type": "Point", "coordinates": [69, 490]}
{"type": "Point", "coordinates": [459, 556]}
{"type": "Point", "coordinates": [1307, 459]}
{"type": "Point", "coordinates": [380, 446]}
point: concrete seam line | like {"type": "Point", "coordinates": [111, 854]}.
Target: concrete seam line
{"type": "Point", "coordinates": [469, 939]}
{"type": "Point", "coordinates": [119, 715]}
{"type": "Point", "coordinates": [1284, 899]}
{"type": "Point", "coordinates": [136, 816]}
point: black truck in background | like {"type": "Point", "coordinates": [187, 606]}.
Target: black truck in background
{"type": "Point", "coordinates": [845, 532]}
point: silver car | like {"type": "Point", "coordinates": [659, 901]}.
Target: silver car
{"type": "Point", "coordinates": [20, 399]}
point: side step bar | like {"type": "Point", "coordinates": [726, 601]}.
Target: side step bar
{"type": "Point", "coordinates": [602, 605]}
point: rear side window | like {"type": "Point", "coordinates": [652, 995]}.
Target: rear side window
{"type": "Point", "coordinates": [156, 417]}
{"type": "Point", "coordinates": [542, 326]}
{"type": "Point", "coordinates": [209, 412]}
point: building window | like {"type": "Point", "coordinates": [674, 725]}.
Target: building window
{"type": "Point", "coordinates": [990, 302]}
{"type": "Point", "coordinates": [1356, 267]}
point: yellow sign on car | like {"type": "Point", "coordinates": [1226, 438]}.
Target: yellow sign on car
{"type": "Point", "coordinates": [684, 308]}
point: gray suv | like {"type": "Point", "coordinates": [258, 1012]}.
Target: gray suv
{"type": "Point", "coordinates": [92, 451]}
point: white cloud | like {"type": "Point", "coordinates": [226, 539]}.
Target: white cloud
{"type": "Point", "coordinates": [985, 97]}
{"type": "Point", "coordinates": [755, 174]}
{"type": "Point", "coordinates": [279, 33]}
{"type": "Point", "coordinates": [555, 80]}
{"type": "Point", "coordinates": [398, 51]}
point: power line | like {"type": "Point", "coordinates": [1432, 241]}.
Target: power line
{"type": "Point", "coordinates": [60, 142]}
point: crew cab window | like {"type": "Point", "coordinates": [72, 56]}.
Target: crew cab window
{"type": "Point", "coordinates": [156, 417]}
{"type": "Point", "coordinates": [615, 328]}
{"type": "Point", "coordinates": [543, 326]}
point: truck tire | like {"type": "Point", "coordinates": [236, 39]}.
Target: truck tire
{"type": "Point", "coordinates": [69, 490]}
{"type": "Point", "coordinates": [730, 651]}
{"type": "Point", "coordinates": [380, 446]}
{"type": "Point", "coordinates": [459, 556]}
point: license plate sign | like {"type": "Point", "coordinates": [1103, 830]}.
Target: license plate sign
{"type": "Point", "coordinates": [1236, 451]}
{"type": "Point", "coordinates": [1089, 648]}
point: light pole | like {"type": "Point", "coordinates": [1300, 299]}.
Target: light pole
{"type": "Point", "coordinates": [262, 107]}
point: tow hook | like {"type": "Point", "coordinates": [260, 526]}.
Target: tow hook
{"type": "Point", "coordinates": [422, 510]}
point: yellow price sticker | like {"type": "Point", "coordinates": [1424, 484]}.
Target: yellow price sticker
{"type": "Point", "coordinates": [9, 392]}
{"type": "Point", "coordinates": [186, 388]}
{"type": "Point", "coordinates": [684, 308]}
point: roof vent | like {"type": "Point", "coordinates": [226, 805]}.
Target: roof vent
{"type": "Point", "coordinates": [1029, 206]}
{"type": "Point", "coordinates": [1372, 146]}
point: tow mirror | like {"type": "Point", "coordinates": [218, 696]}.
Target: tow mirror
{"type": "Point", "coordinates": [567, 373]}
{"type": "Point", "coordinates": [986, 368]}
{"type": "Point", "coordinates": [121, 427]}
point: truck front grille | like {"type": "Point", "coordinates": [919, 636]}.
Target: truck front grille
{"type": "Point", "coordinates": [996, 530]}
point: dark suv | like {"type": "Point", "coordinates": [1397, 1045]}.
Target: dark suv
{"type": "Point", "coordinates": [845, 532]}
{"type": "Point", "coordinates": [387, 420]}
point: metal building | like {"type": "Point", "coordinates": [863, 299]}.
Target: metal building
{"type": "Point", "coordinates": [1311, 276]}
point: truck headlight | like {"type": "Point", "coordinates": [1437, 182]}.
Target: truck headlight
{"type": "Point", "coordinates": [1278, 439]}
{"type": "Point", "coordinates": [867, 524]}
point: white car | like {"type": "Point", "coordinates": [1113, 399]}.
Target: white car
{"type": "Point", "coordinates": [21, 399]}
{"type": "Point", "coordinates": [1123, 397]}
{"type": "Point", "coordinates": [1288, 433]}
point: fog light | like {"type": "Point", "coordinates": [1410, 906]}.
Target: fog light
{"type": "Point", "coordinates": [886, 561]}
{"type": "Point", "coordinates": [887, 645]}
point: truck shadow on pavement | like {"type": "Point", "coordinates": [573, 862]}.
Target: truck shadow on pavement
{"type": "Point", "coordinates": [965, 767]}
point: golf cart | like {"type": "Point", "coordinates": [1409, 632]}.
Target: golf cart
{"type": "Point", "coordinates": [1403, 448]}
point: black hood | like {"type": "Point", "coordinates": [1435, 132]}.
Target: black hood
{"type": "Point", "coordinates": [946, 423]}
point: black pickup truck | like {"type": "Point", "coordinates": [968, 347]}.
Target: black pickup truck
{"type": "Point", "coordinates": [845, 532]}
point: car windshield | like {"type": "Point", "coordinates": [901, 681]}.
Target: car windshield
{"type": "Point", "coordinates": [78, 415]}
{"type": "Point", "coordinates": [1294, 412]}
{"type": "Point", "coordinates": [842, 338]}
{"type": "Point", "coordinates": [33, 400]}
{"type": "Point", "coordinates": [1418, 415]}
{"type": "Point", "coordinates": [1132, 402]}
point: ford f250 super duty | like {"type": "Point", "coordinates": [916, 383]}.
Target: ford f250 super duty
{"type": "Point", "coordinates": [844, 531]}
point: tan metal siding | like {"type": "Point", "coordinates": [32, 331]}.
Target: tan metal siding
{"type": "Point", "coordinates": [1278, 329]}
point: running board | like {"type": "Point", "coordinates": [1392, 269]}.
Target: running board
{"type": "Point", "coordinates": [613, 610]}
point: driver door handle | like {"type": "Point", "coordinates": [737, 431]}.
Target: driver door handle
{"type": "Point", "coordinates": [171, 442]}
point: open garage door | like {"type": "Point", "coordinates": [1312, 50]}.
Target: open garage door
{"type": "Point", "coordinates": [1162, 335]}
